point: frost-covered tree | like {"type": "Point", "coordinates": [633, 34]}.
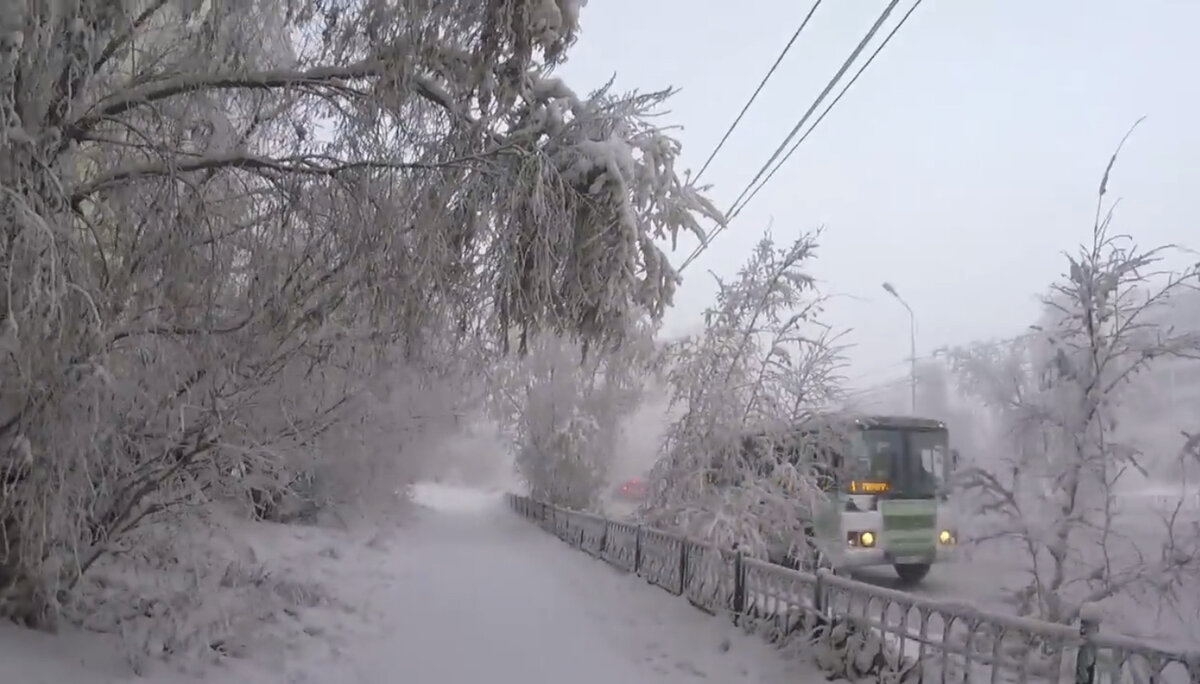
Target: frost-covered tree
{"type": "Point", "coordinates": [563, 409]}
{"type": "Point", "coordinates": [384, 433]}
{"type": "Point", "coordinates": [763, 365]}
{"type": "Point", "coordinates": [1057, 393]}
{"type": "Point", "coordinates": [1165, 401]}
{"type": "Point", "coordinates": [220, 220]}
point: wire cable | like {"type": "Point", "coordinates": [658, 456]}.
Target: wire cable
{"type": "Point", "coordinates": [846, 64]}
{"type": "Point", "coordinates": [837, 99]}
{"type": "Point", "coordinates": [751, 188]}
{"type": "Point", "coordinates": [745, 108]}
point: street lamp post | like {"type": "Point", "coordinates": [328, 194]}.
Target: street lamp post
{"type": "Point", "coordinates": [912, 341]}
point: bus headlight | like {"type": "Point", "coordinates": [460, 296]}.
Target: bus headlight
{"type": "Point", "coordinates": [862, 539]}
{"type": "Point", "coordinates": [946, 537]}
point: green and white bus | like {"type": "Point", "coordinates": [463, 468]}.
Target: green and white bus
{"type": "Point", "coordinates": [887, 500]}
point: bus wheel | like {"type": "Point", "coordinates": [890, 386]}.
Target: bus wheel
{"type": "Point", "coordinates": [912, 573]}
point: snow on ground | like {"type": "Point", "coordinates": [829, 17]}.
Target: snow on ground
{"type": "Point", "coordinates": [28, 657]}
{"type": "Point", "coordinates": [493, 597]}
{"type": "Point", "coordinates": [618, 509]}
{"type": "Point", "coordinates": [465, 592]}
{"type": "Point", "coordinates": [285, 603]}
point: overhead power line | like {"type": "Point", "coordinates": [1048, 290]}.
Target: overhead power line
{"type": "Point", "coordinates": [745, 108]}
{"type": "Point", "coordinates": [846, 64]}
{"type": "Point", "coordinates": [753, 186]}
{"type": "Point", "coordinates": [887, 39]}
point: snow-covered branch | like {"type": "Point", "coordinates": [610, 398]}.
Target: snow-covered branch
{"type": "Point", "coordinates": [223, 226]}
{"type": "Point", "coordinates": [1068, 465]}
{"type": "Point", "coordinates": [763, 365]}
{"type": "Point", "coordinates": [303, 165]}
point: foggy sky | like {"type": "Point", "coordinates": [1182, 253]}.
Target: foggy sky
{"type": "Point", "coordinates": [958, 168]}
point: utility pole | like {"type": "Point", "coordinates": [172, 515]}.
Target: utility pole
{"type": "Point", "coordinates": [912, 341]}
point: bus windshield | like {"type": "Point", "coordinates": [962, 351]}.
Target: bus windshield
{"type": "Point", "coordinates": [911, 462]}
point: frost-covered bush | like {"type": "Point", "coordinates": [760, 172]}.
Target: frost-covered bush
{"type": "Point", "coordinates": [372, 443]}
{"type": "Point", "coordinates": [196, 590]}
{"type": "Point", "coordinates": [764, 364]}
{"type": "Point", "coordinates": [221, 219]}
{"type": "Point", "coordinates": [1058, 396]}
{"type": "Point", "coordinates": [563, 409]}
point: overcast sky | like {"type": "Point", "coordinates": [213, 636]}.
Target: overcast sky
{"type": "Point", "coordinates": [959, 167]}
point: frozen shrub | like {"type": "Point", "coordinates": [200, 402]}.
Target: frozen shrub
{"type": "Point", "coordinates": [763, 365]}
{"type": "Point", "coordinates": [1058, 394]}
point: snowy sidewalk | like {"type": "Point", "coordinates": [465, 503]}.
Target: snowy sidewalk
{"type": "Point", "coordinates": [485, 596]}
{"type": "Point", "coordinates": [468, 592]}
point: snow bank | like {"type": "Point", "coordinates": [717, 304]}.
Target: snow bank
{"type": "Point", "coordinates": [236, 604]}
{"type": "Point", "coordinates": [28, 657]}
{"type": "Point", "coordinates": [467, 592]}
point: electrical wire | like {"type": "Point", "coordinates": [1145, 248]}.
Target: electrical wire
{"type": "Point", "coordinates": [751, 188]}
{"type": "Point", "coordinates": [837, 99]}
{"type": "Point", "coordinates": [745, 108]}
{"type": "Point", "coordinates": [846, 64]}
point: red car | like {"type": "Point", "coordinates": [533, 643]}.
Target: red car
{"type": "Point", "coordinates": [632, 490]}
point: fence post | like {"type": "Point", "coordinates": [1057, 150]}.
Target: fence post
{"type": "Point", "coordinates": [683, 548]}
{"type": "Point", "coordinates": [637, 550]}
{"type": "Point", "coordinates": [819, 592]}
{"type": "Point", "coordinates": [1085, 658]}
{"type": "Point", "coordinates": [603, 539]}
{"type": "Point", "coordinates": [739, 584]}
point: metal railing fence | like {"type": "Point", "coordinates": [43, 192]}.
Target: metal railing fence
{"type": "Point", "coordinates": [854, 628]}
